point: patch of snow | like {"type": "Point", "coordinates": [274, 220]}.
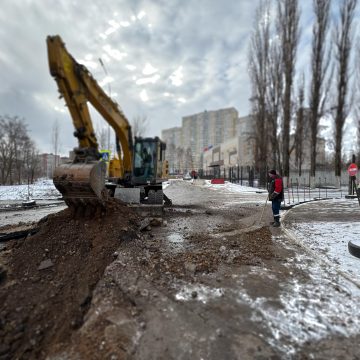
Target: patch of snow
{"type": "Point", "coordinates": [203, 293]}
{"type": "Point", "coordinates": [311, 309]}
{"type": "Point", "coordinates": [330, 240]}
{"type": "Point", "coordinates": [42, 189]}
{"type": "Point", "coordinates": [229, 186]}
{"type": "Point", "coordinates": [27, 216]}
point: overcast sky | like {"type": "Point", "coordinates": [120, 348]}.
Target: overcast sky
{"type": "Point", "coordinates": [165, 58]}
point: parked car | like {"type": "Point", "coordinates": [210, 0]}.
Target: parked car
{"type": "Point", "coordinates": [187, 177]}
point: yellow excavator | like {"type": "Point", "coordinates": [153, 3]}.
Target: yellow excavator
{"type": "Point", "coordinates": [139, 166]}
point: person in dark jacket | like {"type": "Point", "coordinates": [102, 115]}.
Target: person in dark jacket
{"type": "Point", "coordinates": [276, 195]}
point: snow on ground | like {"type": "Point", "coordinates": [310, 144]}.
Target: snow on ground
{"type": "Point", "coordinates": [27, 216]}
{"type": "Point", "coordinates": [330, 241]}
{"type": "Point", "coordinates": [327, 232]}
{"type": "Point", "coordinates": [228, 186]}
{"type": "Point", "coordinates": [322, 305]}
{"type": "Point", "coordinates": [42, 189]}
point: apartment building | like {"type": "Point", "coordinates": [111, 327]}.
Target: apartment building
{"type": "Point", "coordinates": [48, 162]}
{"type": "Point", "coordinates": [240, 150]}
{"type": "Point", "coordinates": [173, 140]}
{"type": "Point", "coordinates": [186, 144]}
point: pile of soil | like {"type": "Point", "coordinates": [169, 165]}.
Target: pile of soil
{"type": "Point", "coordinates": [48, 281]}
{"type": "Point", "coordinates": [203, 254]}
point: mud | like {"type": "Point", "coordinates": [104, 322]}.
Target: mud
{"type": "Point", "coordinates": [208, 282]}
{"type": "Point", "coordinates": [51, 275]}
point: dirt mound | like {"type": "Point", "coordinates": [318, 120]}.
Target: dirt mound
{"type": "Point", "coordinates": [204, 255]}
{"type": "Point", "coordinates": [50, 278]}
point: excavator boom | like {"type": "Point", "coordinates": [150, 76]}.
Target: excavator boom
{"type": "Point", "coordinates": [82, 182]}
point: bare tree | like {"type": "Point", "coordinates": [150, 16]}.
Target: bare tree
{"type": "Point", "coordinates": [288, 29]}
{"type": "Point", "coordinates": [32, 162]}
{"type": "Point", "coordinates": [55, 139]}
{"type": "Point", "coordinates": [101, 136]}
{"type": "Point", "coordinates": [274, 96]}
{"type": "Point", "coordinates": [139, 125]}
{"type": "Point", "coordinates": [258, 63]}
{"type": "Point", "coordinates": [357, 102]}
{"type": "Point", "coordinates": [320, 61]}
{"type": "Point", "coordinates": [343, 38]}
{"type": "Point", "coordinates": [299, 133]}
{"type": "Point", "coordinates": [20, 141]}
{"type": "Point", "coordinates": [14, 145]}
{"type": "Point", "coordinates": [7, 151]}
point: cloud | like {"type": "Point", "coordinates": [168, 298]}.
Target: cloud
{"type": "Point", "coordinates": [193, 57]}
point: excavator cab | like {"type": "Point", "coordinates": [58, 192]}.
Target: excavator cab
{"type": "Point", "coordinates": [150, 169]}
{"type": "Point", "coordinates": [148, 159]}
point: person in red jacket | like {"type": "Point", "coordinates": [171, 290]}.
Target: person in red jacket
{"type": "Point", "coordinates": [276, 195]}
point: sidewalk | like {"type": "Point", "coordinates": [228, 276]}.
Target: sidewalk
{"type": "Point", "coordinates": [324, 228]}
{"type": "Point", "coordinates": [320, 308]}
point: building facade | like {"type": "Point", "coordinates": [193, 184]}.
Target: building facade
{"type": "Point", "coordinates": [186, 144]}
{"type": "Point", "coordinates": [48, 163]}
{"type": "Point", "coordinates": [236, 151]}
{"type": "Point", "coordinates": [240, 150]}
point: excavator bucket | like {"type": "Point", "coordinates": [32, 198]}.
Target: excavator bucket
{"type": "Point", "coordinates": [82, 184]}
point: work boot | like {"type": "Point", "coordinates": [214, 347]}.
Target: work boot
{"type": "Point", "coordinates": [276, 223]}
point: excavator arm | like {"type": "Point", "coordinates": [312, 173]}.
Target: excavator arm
{"type": "Point", "coordinates": [84, 179]}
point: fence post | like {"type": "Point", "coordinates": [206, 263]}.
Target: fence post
{"type": "Point", "coordinates": [340, 189]}
{"type": "Point", "coordinates": [325, 189]}
{"type": "Point", "coordinates": [297, 189]}
{"type": "Point", "coordinates": [288, 190]}
{"type": "Point", "coordinates": [304, 191]}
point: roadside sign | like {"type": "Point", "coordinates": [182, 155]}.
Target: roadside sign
{"type": "Point", "coordinates": [105, 155]}
{"type": "Point", "coordinates": [352, 169]}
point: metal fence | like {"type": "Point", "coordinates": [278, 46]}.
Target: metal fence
{"type": "Point", "coordinates": [297, 189]}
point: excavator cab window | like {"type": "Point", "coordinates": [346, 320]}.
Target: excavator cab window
{"type": "Point", "coordinates": [144, 159]}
